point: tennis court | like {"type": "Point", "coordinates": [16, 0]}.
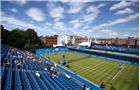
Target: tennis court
{"type": "Point", "coordinates": [99, 70]}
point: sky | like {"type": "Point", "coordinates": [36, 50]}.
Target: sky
{"type": "Point", "coordinates": [91, 18]}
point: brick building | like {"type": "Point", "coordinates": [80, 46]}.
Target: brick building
{"type": "Point", "coordinates": [119, 41]}
{"type": "Point", "coordinates": [78, 40]}
{"type": "Point", "coordinates": [75, 40]}
{"type": "Point", "coordinates": [51, 40]}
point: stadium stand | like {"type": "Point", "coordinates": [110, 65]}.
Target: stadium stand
{"type": "Point", "coordinates": [116, 48]}
{"type": "Point", "coordinates": [106, 55]}
{"type": "Point", "coordinates": [19, 74]}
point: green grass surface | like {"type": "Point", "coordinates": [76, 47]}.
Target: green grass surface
{"type": "Point", "coordinates": [98, 70]}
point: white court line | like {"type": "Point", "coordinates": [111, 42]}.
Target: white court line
{"type": "Point", "coordinates": [82, 66]}
{"type": "Point", "coordinates": [98, 72]}
{"type": "Point", "coordinates": [117, 74]}
{"type": "Point", "coordinates": [89, 68]}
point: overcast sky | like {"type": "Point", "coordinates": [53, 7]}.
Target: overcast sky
{"type": "Point", "coordinates": [82, 18]}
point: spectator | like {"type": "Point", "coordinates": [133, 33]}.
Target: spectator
{"type": "Point", "coordinates": [45, 69]}
{"type": "Point", "coordinates": [87, 88]}
{"type": "Point", "coordinates": [84, 87]}
{"type": "Point", "coordinates": [67, 65]}
{"type": "Point", "coordinates": [51, 73]}
{"type": "Point", "coordinates": [48, 58]}
{"type": "Point", "coordinates": [8, 63]}
{"type": "Point", "coordinates": [68, 76]}
{"type": "Point", "coordinates": [34, 60]}
{"type": "Point", "coordinates": [5, 60]}
{"type": "Point", "coordinates": [55, 65]}
{"type": "Point", "coordinates": [52, 68]}
{"type": "Point", "coordinates": [102, 85]}
{"type": "Point", "coordinates": [19, 65]}
{"type": "Point", "coordinates": [37, 74]}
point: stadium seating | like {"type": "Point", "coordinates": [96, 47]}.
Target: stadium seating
{"type": "Point", "coordinates": [24, 78]}
{"type": "Point", "coordinates": [132, 49]}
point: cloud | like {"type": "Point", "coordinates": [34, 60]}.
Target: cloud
{"type": "Point", "coordinates": [125, 11]}
{"type": "Point", "coordinates": [60, 26]}
{"type": "Point", "coordinates": [106, 31]}
{"type": "Point", "coordinates": [1, 13]}
{"type": "Point", "coordinates": [126, 19]}
{"type": "Point", "coordinates": [14, 10]}
{"type": "Point", "coordinates": [110, 33]}
{"type": "Point", "coordinates": [81, 1]}
{"type": "Point", "coordinates": [102, 26]}
{"type": "Point", "coordinates": [48, 24]}
{"type": "Point", "coordinates": [36, 14]}
{"type": "Point", "coordinates": [91, 13]}
{"type": "Point", "coordinates": [80, 32]}
{"type": "Point", "coordinates": [86, 27]}
{"type": "Point", "coordinates": [118, 21]}
{"type": "Point", "coordinates": [13, 22]}
{"type": "Point", "coordinates": [19, 2]}
{"type": "Point", "coordinates": [113, 34]}
{"type": "Point", "coordinates": [101, 5]}
{"type": "Point", "coordinates": [75, 7]}
{"type": "Point", "coordinates": [125, 35]}
{"type": "Point", "coordinates": [84, 32]}
{"type": "Point", "coordinates": [74, 21]}
{"type": "Point", "coordinates": [120, 5]}
{"type": "Point", "coordinates": [135, 28]}
{"type": "Point", "coordinates": [55, 11]}
{"type": "Point", "coordinates": [77, 25]}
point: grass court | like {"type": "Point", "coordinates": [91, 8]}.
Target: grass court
{"type": "Point", "coordinates": [98, 70]}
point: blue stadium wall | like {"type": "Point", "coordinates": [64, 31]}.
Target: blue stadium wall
{"type": "Point", "coordinates": [50, 50]}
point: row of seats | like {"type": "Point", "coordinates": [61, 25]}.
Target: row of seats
{"type": "Point", "coordinates": [118, 48]}
{"type": "Point", "coordinates": [24, 78]}
{"type": "Point", "coordinates": [4, 50]}
{"type": "Point", "coordinates": [17, 80]}
{"type": "Point", "coordinates": [9, 80]}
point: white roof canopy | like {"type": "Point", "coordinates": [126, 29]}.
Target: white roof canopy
{"type": "Point", "coordinates": [85, 44]}
{"type": "Point", "coordinates": [58, 45]}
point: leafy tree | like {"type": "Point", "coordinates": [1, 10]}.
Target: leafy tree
{"type": "Point", "coordinates": [33, 39]}
{"type": "Point", "coordinates": [17, 38]}
{"type": "Point", "coordinates": [4, 35]}
{"type": "Point", "coordinates": [21, 39]}
{"type": "Point", "coordinates": [70, 42]}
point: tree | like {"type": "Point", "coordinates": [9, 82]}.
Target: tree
{"type": "Point", "coordinates": [31, 37]}
{"type": "Point", "coordinates": [33, 40]}
{"type": "Point", "coordinates": [21, 39]}
{"type": "Point", "coordinates": [17, 38]}
{"type": "Point", "coordinates": [4, 35]}
{"type": "Point", "coordinates": [70, 42]}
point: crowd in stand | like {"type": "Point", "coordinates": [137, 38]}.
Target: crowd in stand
{"type": "Point", "coordinates": [22, 60]}
{"type": "Point", "coordinates": [119, 48]}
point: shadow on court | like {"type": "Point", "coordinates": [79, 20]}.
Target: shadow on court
{"type": "Point", "coordinates": [112, 87]}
